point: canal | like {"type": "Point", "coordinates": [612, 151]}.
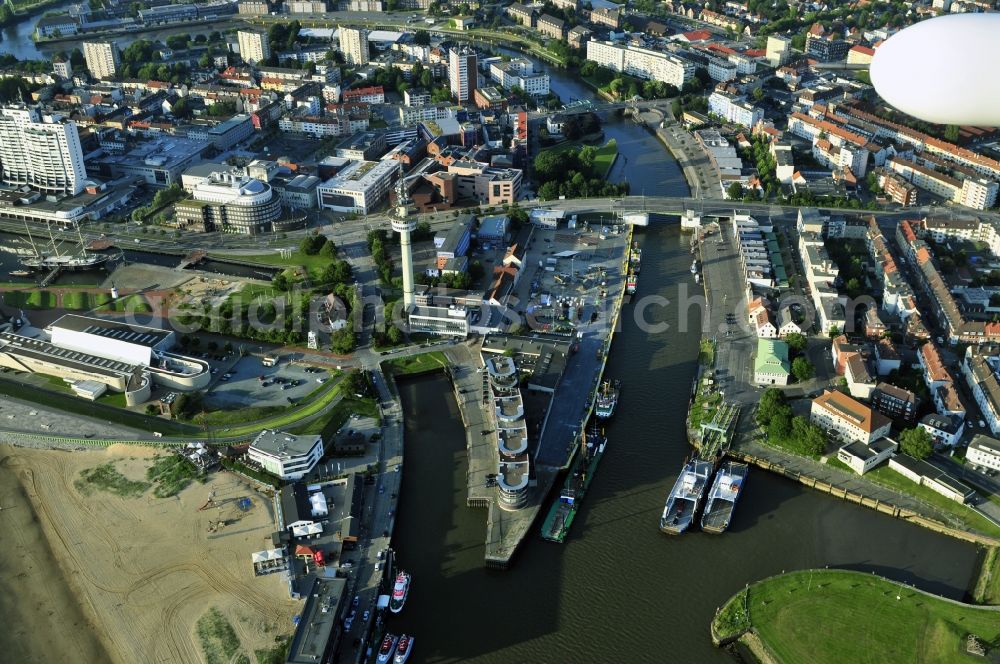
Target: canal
{"type": "Point", "coordinates": [619, 590]}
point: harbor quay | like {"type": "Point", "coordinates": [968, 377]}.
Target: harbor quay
{"type": "Point", "coordinates": [560, 361]}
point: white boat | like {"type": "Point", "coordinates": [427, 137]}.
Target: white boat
{"type": "Point", "coordinates": [387, 649]}
{"type": "Point", "coordinates": [403, 650]}
{"type": "Point", "coordinates": [400, 591]}
{"type": "Point", "coordinates": [684, 498]}
{"type": "Point", "coordinates": [694, 266]}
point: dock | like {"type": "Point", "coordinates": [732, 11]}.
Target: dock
{"type": "Point", "coordinates": [570, 404]}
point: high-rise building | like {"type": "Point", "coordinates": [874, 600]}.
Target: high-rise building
{"type": "Point", "coordinates": [42, 152]}
{"type": "Point", "coordinates": [462, 74]}
{"type": "Point", "coordinates": [103, 59]}
{"type": "Point", "coordinates": [254, 46]}
{"type": "Point", "coordinates": [778, 50]}
{"type": "Point", "coordinates": [403, 224]}
{"type": "Point", "coordinates": [354, 45]}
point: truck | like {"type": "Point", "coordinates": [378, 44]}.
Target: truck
{"type": "Point", "coordinates": [552, 261]}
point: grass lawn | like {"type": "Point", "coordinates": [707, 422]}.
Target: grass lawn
{"type": "Point", "coordinates": [313, 264]}
{"type": "Point", "coordinates": [107, 478]}
{"type": "Point", "coordinates": [605, 158]}
{"type": "Point", "coordinates": [171, 474]}
{"type": "Point", "coordinates": [134, 303]}
{"type": "Point", "coordinates": [837, 616]}
{"type": "Point", "coordinates": [706, 352]}
{"type": "Point", "coordinates": [328, 424]}
{"type": "Point", "coordinates": [988, 586]}
{"type": "Point", "coordinates": [887, 477]}
{"type": "Point", "coordinates": [218, 639]}
{"type": "Point", "coordinates": [289, 416]}
{"type": "Point", "coordinates": [416, 364]}
{"type": "Point", "coordinates": [704, 406]}
{"type": "Point", "coordinates": [76, 301]}
{"type": "Point", "coordinates": [834, 462]}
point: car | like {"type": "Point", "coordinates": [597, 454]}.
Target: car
{"type": "Point", "coordinates": [392, 513]}
{"type": "Point", "coordinates": [365, 616]}
{"type": "Point", "coordinates": [348, 624]}
{"type": "Point", "coordinates": [357, 600]}
{"type": "Point", "coordinates": [399, 467]}
{"type": "Point", "coordinates": [385, 533]}
{"type": "Point", "coordinates": [982, 425]}
{"type": "Point", "coordinates": [321, 380]}
{"type": "Point", "coordinates": [381, 488]}
{"type": "Point", "coordinates": [287, 386]}
{"type": "Point", "coordinates": [347, 564]}
{"type": "Point", "coordinates": [378, 567]}
{"type": "Point", "coordinates": [224, 378]}
{"type": "Point", "coordinates": [215, 371]}
{"type": "Point", "coordinates": [266, 383]}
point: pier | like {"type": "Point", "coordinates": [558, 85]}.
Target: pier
{"type": "Point", "coordinates": [50, 277]}
{"type": "Point", "coordinates": [570, 404]}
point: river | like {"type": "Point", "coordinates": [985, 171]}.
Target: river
{"type": "Point", "coordinates": [619, 590]}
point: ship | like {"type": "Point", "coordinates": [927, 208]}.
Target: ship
{"type": "Point", "coordinates": [684, 498]}
{"type": "Point", "coordinates": [564, 508]}
{"type": "Point", "coordinates": [61, 261]}
{"type": "Point", "coordinates": [723, 496]}
{"type": "Point", "coordinates": [635, 257]}
{"type": "Point", "coordinates": [631, 282]}
{"type": "Point", "coordinates": [694, 266]}
{"type": "Point", "coordinates": [400, 591]}
{"type": "Point", "coordinates": [387, 649]}
{"type": "Point", "coordinates": [403, 649]}
{"type": "Point", "coordinates": [607, 399]}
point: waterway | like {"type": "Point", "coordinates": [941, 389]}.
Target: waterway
{"type": "Point", "coordinates": [619, 590]}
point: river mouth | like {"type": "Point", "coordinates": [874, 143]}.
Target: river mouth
{"type": "Point", "coordinates": [618, 586]}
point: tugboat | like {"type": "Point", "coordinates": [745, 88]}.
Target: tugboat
{"type": "Point", "coordinates": [607, 399]}
{"type": "Point", "coordinates": [403, 650]}
{"type": "Point", "coordinates": [386, 649]}
{"type": "Point", "coordinates": [684, 498]}
{"type": "Point", "coordinates": [631, 282]}
{"type": "Point", "coordinates": [400, 591]}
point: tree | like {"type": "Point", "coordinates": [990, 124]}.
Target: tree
{"type": "Point", "coordinates": [772, 401]}
{"type": "Point", "coordinates": [951, 133]}
{"type": "Point", "coordinates": [394, 335]}
{"type": "Point", "coordinates": [328, 250]}
{"type": "Point", "coordinates": [280, 281]}
{"type": "Point", "coordinates": [734, 191]}
{"type": "Point", "coordinates": [181, 108]}
{"type": "Point", "coordinates": [422, 37]}
{"type": "Point", "coordinates": [916, 442]}
{"type": "Point", "coordinates": [795, 341]}
{"type": "Point", "coordinates": [803, 369]}
{"type": "Point", "coordinates": [312, 244]}
{"type": "Point", "coordinates": [834, 331]}
{"type": "Point", "coordinates": [758, 94]}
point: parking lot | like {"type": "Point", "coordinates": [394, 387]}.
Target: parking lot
{"type": "Point", "coordinates": [280, 384]}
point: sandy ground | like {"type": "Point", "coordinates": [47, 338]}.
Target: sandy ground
{"type": "Point", "coordinates": [102, 578]}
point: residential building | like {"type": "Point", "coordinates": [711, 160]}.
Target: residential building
{"type": "Point", "coordinates": [850, 420]}
{"type": "Point", "coordinates": [374, 94]}
{"type": "Point", "coordinates": [254, 7]}
{"type": "Point", "coordinates": [522, 14]}
{"type": "Point", "coordinates": [578, 36]}
{"type": "Point", "coordinates": [462, 74]}
{"type": "Point", "coordinates": [862, 457]}
{"type": "Point", "coordinates": [641, 62]}
{"type": "Point", "coordinates": [945, 430]}
{"type": "Point", "coordinates": [895, 402]}
{"type": "Point", "coordinates": [609, 18]}
{"type": "Point", "coordinates": [778, 50]}
{"type": "Point", "coordinates": [551, 26]}
{"type": "Point", "coordinates": [254, 46]}
{"type": "Point", "coordinates": [62, 67]}
{"type": "Point", "coordinates": [980, 376]}
{"type": "Point", "coordinates": [415, 97]}
{"type": "Point", "coordinates": [354, 45]}
{"type": "Point", "coordinates": [984, 451]}
{"type": "Point", "coordinates": [735, 109]}
{"type": "Point", "coordinates": [824, 46]}
{"type": "Point", "coordinates": [103, 58]}
{"type": "Point", "coordinates": [43, 152]}
{"type": "Point", "coordinates": [284, 455]}
{"type": "Point", "coordinates": [771, 366]}
{"type": "Point", "coordinates": [860, 55]}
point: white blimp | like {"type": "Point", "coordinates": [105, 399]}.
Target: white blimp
{"type": "Point", "coordinates": [943, 70]}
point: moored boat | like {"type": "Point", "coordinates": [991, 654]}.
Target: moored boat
{"type": "Point", "coordinates": [564, 508]}
{"type": "Point", "coordinates": [682, 503]}
{"type": "Point", "coordinates": [403, 649]}
{"type": "Point", "coordinates": [387, 649]}
{"type": "Point", "coordinates": [607, 399]}
{"type": "Point", "coordinates": [400, 591]}
{"type": "Point", "coordinates": [723, 496]}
